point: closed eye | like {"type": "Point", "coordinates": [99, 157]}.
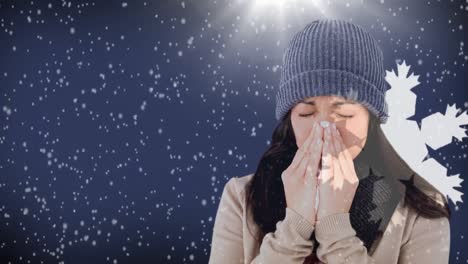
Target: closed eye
{"type": "Point", "coordinates": [344, 116]}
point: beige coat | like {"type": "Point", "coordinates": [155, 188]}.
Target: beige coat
{"type": "Point", "coordinates": [408, 238]}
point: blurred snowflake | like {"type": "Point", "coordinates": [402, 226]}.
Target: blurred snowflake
{"type": "Point", "coordinates": [436, 131]}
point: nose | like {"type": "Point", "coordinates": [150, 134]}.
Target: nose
{"type": "Point", "coordinates": [324, 120]}
{"type": "Point", "coordinates": [324, 123]}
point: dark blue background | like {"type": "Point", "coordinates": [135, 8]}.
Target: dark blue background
{"type": "Point", "coordinates": [120, 123]}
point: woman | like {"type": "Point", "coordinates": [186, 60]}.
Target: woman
{"type": "Point", "coordinates": [331, 188]}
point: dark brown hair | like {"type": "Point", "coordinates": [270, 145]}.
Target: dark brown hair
{"type": "Point", "coordinates": [265, 196]}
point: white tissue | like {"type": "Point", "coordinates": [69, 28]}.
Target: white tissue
{"type": "Point", "coordinates": [324, 124]}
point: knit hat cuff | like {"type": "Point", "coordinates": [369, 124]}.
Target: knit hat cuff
{"type": "Point", "coordinates": [331, 82]}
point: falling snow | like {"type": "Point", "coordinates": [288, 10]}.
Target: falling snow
{"type": "Point", "coordinates": [122, 121]}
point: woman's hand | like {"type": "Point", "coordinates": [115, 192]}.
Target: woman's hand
{"type": "Point", "coordinates": [338, 182]}
{"type": "Point", "coordinates": [300, 178]}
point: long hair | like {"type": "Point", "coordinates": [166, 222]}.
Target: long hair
{"type": "Point", "coordinates": [265, 197]}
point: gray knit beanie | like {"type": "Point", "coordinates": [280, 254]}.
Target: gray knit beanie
{"type": "Point", "coordinates": [333, 57]}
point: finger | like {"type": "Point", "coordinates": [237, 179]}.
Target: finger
{"type": "Point", "coordinates": [309, 173]}
{"type": "Point", "coordinates": [327, 158]}
{"type": "Point", "coordinates": [347, 164]}
{"type": "Point", "coordinates": [301, 169]}
{"type": "Point", "coordinates": [337, 170]}
{"type": "Point", "coordinates": [303, 149]}
{"type": "Point", "coordinates": [340, 149]}
{"type": "Point", "coordinates": [316, 150]}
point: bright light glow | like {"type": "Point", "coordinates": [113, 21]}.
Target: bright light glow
{"type": "Point", "coordinates": [275, 3]}
{"type": "Point", "coordinates": [255, 17]}
{"type": "Point", "coordinates": [276, 9]}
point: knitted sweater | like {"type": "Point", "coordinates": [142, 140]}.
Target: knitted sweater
{"type": "Point", "coordinates": [408, 238]}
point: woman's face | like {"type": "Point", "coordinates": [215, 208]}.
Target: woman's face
{"type": "Point", "coordinates": [351, 119]}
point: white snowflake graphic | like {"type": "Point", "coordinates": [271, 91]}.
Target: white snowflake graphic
{"type": "Point", "coordinates": [398, 219]}
{"type": "Point", "coordinates": [436, 131]}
